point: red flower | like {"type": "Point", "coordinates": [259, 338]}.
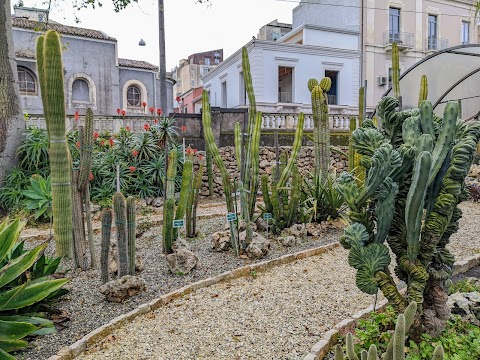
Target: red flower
{"type": "Point", "coordinates": [152, 109]}
{"type": "Point", "coordinates": [90, 177]}
{"type": "Point", "coordinates": [155, 121]}
{"type": "Point", "coordinates": [144, 104]}
{"type": "Point", "coordinates": [76, 116]}
{"type": "Point", "coordinates": [146, 127]}
{"type": "Point", "coordinates": [159, 111]}
{"type": "Point", "coordinates": [132, 168]}
{"type": "Point", "coordinates": [195, 151]}
{"type": "Point", "coordinates": [95, 135]}
{"type": "Point", "coordinates": [119, 111]}
{"type": "Point", "coordinates": [135, 153]}
{"type": "Point", "coordinates": [178, 99]}
{"type": "Point", "coordinates": [77, 144]}
{"type": "Point", "coordinates": [123, 112]}
{"type": "Point", "coordinates": [200, 157]}
{"type": "Point", "coordinates": [110, 142]}
{"type": "Point", "coordinates": [102, 142]}
{"type": "Point", "coordinates": [189, 151]}
{"type": "Point", "coordinates": [183, 128]}
{"type": "Point", "coordinates": [127, 128]}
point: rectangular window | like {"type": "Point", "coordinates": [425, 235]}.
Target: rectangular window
{"type": "Point", "coordinates": [332, 94]}
{"type": "Point", "coordinates": [205, 71]}
{"type": "Point", "coordinates": [193, 83]}
{"type": "Point", "coordinates": [224, 95]}
{"type": "Point", "coordinates": [207, 61]}
{"type": "Point", "coordinates": [432, 41]}
{"type": "Point", "coordinates": [465, 32]}
{"type": "Point", "coordinates": [242, 91]}
{"type": "Point", "coordinates": [394, 21]}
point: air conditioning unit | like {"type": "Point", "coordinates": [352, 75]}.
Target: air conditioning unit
{"type": "Point", "coordinates": [381, 80]}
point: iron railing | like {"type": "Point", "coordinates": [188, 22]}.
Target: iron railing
{"type": "Point", "coordinates": [434, 43]}
{"type": "Point", "coordinates": [403, 39]}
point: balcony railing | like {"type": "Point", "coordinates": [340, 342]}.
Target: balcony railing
{"type": "Point", "coordinates": [435, 44]}
{"type": "Point", "coordinates": [286, 121]}
{"type": "Point", "coordinates": [403, 39]}
{"type": "Point", "coordinates": [285, 97]}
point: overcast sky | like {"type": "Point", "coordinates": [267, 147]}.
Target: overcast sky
{"type": "Point", "coordinates": [190, 27]}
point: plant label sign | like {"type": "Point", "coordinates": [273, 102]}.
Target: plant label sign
{"type": "Point", "coordinates": [231, 217]}
{"type": "Point", "coordinates": [267, 216]}
{"type": "Point", "coordinates": [178, 223]}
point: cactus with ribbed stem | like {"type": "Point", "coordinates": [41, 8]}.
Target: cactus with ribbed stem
{"type": "Point", "coordinates": [209, 172]}
{"type": "Point", "coordinates": [105, 245]}
{"type": "Point", "coordinates": [361, 107]}
{"type": "Point", "coordinates": [238, 146]}
{"type": "Point", "coordinates": [169, 206]}
{"type": "Point", "coordinates": [321, 127]}
{"type": "Point", "coordinates": [416, 181]}
{"type": "Point", "coordinates": [120, 211]}
{"type": "Point", "coordinates": [79, 249]}
{"type": "Point", "coordinates": [422, 96]}
{"type": "Point", "coordinates": [131, 233]}
{"type": "Point", "coordinates": [192, 203]}
{"type": "Point", "coordinates": [351, 150]}
{"type": "Point", "coordinates": [49, 63]}
{"type": "Point", "coordinates": [213, 149]}
{"type": "Point", "coordinates": [396, 346]}
{"type": "Point", "coordinates": [395, 71]}
{"type": "Point", "coordinates": [185, 191]}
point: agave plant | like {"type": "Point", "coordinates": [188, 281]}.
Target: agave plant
{"type": "Point", "coordinates": [39, 196]}
{"type": "Point", "coordinates": [34, 151]}
{"type": "Point", "coordinates": [13, 328]}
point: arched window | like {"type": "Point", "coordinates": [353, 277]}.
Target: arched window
{"type": "Point", "coordinates": [134, 96]}
{"type": "Point", "coordinates": [26, 81]}
{"type": "Point", "coordinates": [80, 91]}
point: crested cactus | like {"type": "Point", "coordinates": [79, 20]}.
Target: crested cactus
{"type": "Point", "coordinates": [396, 346]}
{"type": "Point", "coordinates": [422, 96]}
{"type": "Point", "coordinates": [50, 68]}
{"type": "Point", "coordinates": [321, 127]}
{"type": "Point", "coordinates": [395, 71]}
{"type": "Point", "coordinates": [131, 234]}
{"type": "Point", "coordinates": [120, 210]}
{"type": "Point", "coordinates": [416, 166]}
{"type": "Point", "coordinates": [105, 245]}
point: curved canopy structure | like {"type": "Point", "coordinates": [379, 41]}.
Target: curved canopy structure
{"type": "Point", "coordinates": [453, 74]}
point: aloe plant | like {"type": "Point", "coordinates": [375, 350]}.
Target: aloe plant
{"type": "Point", "coordinates": [13, 327]}
{"type": "Point", "coordinates": [416, 164]}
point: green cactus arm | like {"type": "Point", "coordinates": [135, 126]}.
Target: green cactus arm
{"type": "Point", "coordinates": [395, 71]}
{"type": "Point", "coordinates": [372, 353]}
{"type": "Point", "coordinates": [131, 233]}
{"type": "Point", "coordinates": [120, 211]}
{"type": "Point", "coordinates": [185, 189]}
{"type": "Point", "coordinates": [316, 112]}
{"type": "Point", "coordinates": [410, 315]}
{"type": "Point", "coordinates": [444, 140]}
{"type": "Point", "coordinates": [438, 353]}
{"type": "Point", "coordinates": [105, 245]}
{"type": "Point", "coordinates": [399, 339]}
{"type": "Point", "coordinates": [350, 348]}
{"type": "Point", "coordinates": [171, 174]}
{"type": "Point", "coordinates": [295, 195]}
{"type": "Point", "coordinates": [213, 149]}
{"type": "Point", "coordinates": [297, 144]}
{"type": "Point", "coordinates": [209, 172]}
{"type": "Point", "coordinates": [415, 203]}
{"type": "Point", "coordinates": [389, 289]}
{"type": "Point", "coordinates": [411, 131]}
{"type": "Point", "coordinates": [245, 215]}
{"type": "Point", "coordinates": [363, 354]}
{"type": "Point", "coordinates": [312, 83]}
{"type": "Point", "coordinates": [265, 193]}
{"type": "Point", "coordinates": [168, 209]}
{"type": "Point", "coordinates": [40, 49]}
{"type": "Point", "coordinates": [86, 151]}
{"type": "Point", "coordinates": [385, 208]}
{"type": "Point", "coordinates": [422, 96]}
{"type": "Point", "coordinates": [255, 163]}
{"type": "Point", "coordinates": [426, 118]}
{"type": "Point", "coordinates": [238, 145]}
{"type": "Point", "coordinates": [277, 208]}
{"type": "Point", "coordinates": [351, 150]}
{"type": "Point", "coordinates": [197, 185]}
{"type": "Point", "coordinates": [325, 84]}
{"type": "Point", "coordinates": [361, 108]}
{"type": "Point", "coordinates": [78, 226]}
{"type": "Point", "coordinates": [339, 353]}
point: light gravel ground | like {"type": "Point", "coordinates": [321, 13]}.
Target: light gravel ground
{"type": "Point", "coordinates": [278, 314]}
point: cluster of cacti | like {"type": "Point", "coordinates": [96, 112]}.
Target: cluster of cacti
{"type": "Point", "coordinates": [282, 201]}
{"type": "Point", "coordinates": [321, 126]}
{"type": "Point", "coordinates": [396, 346]}
{"type": "Point", "coordinates": [50, 70]}
{"type": "Point", "coordinates": [105, 244]}
{"type": "Point", "coordinates": [416, 164]}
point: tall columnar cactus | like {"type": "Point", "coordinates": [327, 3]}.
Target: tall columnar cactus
{"type": "Point", "coordinates": [395, 71]}
{"type": "Point", "coordinates": [416, 166]}
{"type": "Point", "coordinates": [213, 149]}
{"type": "Point", "coordinates": [79, 249]}
{"type": "Point", "coordinates": [50, 68]}
{"type": "Point", "coordinates": [192, 203]}
{"type": "Point", "coordinates": [238, 146]}
{"type": "Point", "coordinates": [209, 172]}
{"type": "Point", "coordinates": [361, 105]}
{"type": "Point", "coordinates": [169, 206]}
{"type": "Point", "coordinates": [131, 233]}
{"type": "Point", "coordinates": [422, 96]}
{"type": "Point", "coordinates": [105, 245]}
{"type": "Point", "coordinates": [321, 126]}
{"type": "Point", "coordinates": [120, 210]}
{"type": "Point", "coordinates": [185, 191]}
{"type": "Point", "coordinates": [351, 150]}
{"type": "Point", "coordinates": [396, 346]}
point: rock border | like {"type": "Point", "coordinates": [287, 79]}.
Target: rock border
{"type": "Point", "coordinates": [92, 338]}
{"type": "Point", "coordinates": [323, 347]}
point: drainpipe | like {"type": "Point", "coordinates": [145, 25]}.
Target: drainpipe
{"type": "Point", "coordinates": [154, 90]}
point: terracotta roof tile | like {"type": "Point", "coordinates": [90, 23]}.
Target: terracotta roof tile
{"type": "Point", "coordinates": [62, 29]}
{"type": "Point", "coordinates": [137, 64]}
{"type": "Point", "coordinates": [25, 55]}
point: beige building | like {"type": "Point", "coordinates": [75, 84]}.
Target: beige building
{"type": "Point", "coordinates": [419, 27]}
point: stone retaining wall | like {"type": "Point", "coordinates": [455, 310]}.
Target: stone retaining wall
{"type": "Point", "coordinates": [305, 163]}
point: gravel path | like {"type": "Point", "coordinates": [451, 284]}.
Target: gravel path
{"type": "Point", "coordinates": [277, 314]}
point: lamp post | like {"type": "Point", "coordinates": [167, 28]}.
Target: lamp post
{"type": "Point", "coordinates": [162, 66]}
